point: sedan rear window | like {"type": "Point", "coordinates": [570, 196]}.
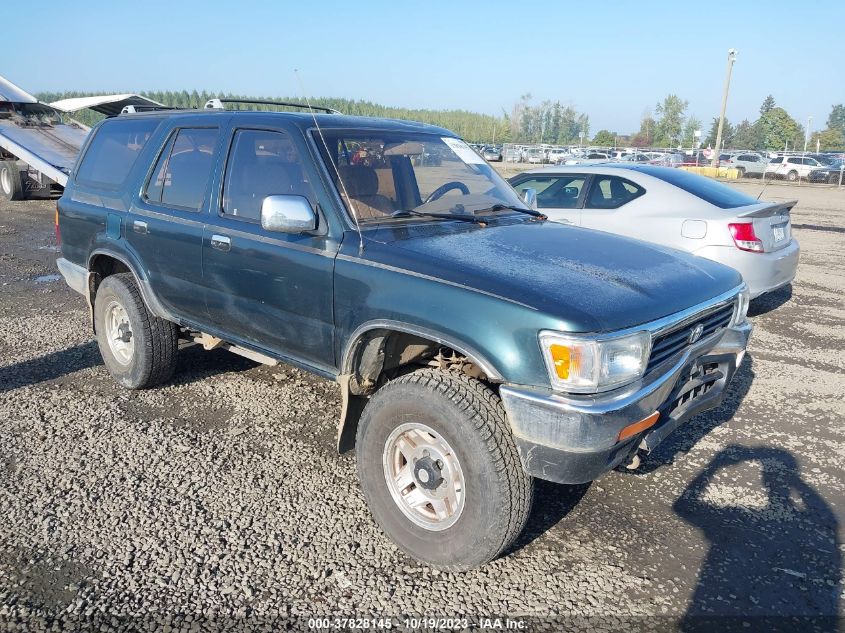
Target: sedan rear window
{"type": "Point", "coordinates": [114, 150]}
{"type": "Point", "coordinates": [705, 188]}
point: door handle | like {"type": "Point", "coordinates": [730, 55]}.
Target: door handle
{"type": "Point", "coordinates": [221, 243]}
{"type": "Point", "coordinates": [140, 227]}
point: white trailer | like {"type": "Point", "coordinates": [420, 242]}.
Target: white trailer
{"type": "Point", "coordinates": [39, 142]}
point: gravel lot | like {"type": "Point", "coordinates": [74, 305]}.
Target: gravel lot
{"type": "Point", "coordinates": [218, 502]}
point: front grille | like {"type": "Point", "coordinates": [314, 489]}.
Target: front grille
{"type": "Point", "coordinates": [674, 341]}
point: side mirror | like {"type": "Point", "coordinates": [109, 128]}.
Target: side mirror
{"type": "Point", "coordinates": [529, 196]}
{"type": "Point", "coordinates": [287, 214]}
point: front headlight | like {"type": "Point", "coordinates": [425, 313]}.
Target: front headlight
{"type": "Point", "coordinates": [742, 302]}
{"type": "Point", "coordinates": [587, 365]}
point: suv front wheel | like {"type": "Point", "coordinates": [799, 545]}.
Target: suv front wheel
{"type": "Point", "coordinates": [440, 470]}
{"type": "Point", "coordinates": [138, 348]}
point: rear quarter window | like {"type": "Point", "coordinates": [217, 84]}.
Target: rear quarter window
{"type": "Point", "coordinates": [113, 151]}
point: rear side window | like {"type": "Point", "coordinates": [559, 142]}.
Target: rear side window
{"type": "Point", "coordinates": [611, 192]}
{"type": "Point", "coordinates": [113, 151]}
{"type": "Point", "coordinates": [776, 159]}
{"type": "Point", "coordinates": [180, 177]}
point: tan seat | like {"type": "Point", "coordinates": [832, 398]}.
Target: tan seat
{"type": "Point", "coordinates": [361, 183]}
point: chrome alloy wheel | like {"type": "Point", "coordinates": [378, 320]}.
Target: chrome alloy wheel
{"type": "Point", "coordinates": [424, 476]}
{"type": "Point", "coordinates": [119, 333]}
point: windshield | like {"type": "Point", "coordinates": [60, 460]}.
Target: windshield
{"type": "Point", "coordinates": [381, 174]}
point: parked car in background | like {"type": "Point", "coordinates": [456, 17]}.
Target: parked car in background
{"type": "Point", "coordinates": [830, 173]}
{"type": "Point", "coordinates": [635, 158]}
{"type": "Point", "coordinates": [556, 156]}
{"type": "Point", "coordinates": [669, 159]}
{"type": "Point", "coordinates": [512, 155]}
{"type": "Point", "coordinates": [492, 154]}
{"type": "Point", "coordinates": [791, 167]}
{"type": "Point", "coordinates": [746, 163]}
{"type": "Point", "coordinates": [535, 155]}
{"type": "Point", "coordinates": [586, 159]}
{"type": "Point", "coordinates": [674, 208]}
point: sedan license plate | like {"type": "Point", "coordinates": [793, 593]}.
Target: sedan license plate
{"type": "Point", "coordinates": [779, 231]}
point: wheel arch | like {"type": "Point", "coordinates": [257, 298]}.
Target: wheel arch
{"type": "Point", "coordinates": [383, 345]}
{"type": "Point", "coordinates": [103, 262]}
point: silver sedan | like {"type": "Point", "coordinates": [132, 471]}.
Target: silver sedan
{"type": "Point", "coordinates": [674, 208]}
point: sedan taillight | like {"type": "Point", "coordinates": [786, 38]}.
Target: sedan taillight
{"type": "Point", "coordinates": [744, 237]}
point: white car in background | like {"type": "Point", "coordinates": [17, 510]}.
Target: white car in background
{"type": "Point", "coordinates": [746, 163]}
{"type": "Point", "coordinates": [674, 208]}
{"type": "Point", "coordinates": [792, 167]}
{"type": "Point", "coordinates": [556, 156]}
{"type": "Point", "coordinates": [592, 157]}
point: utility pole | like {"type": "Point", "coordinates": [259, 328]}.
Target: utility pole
{"type": "Point", "coordinates": [731, 60]}
{"type": "Point", "coordinates": [807, 135]}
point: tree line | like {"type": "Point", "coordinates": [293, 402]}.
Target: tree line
{"type": "Point", "coordinates": [552, 122]}
{"type": "Point", "coordinates": [773, 130]}
{"type": "Point", "coordinates": [473, 126]}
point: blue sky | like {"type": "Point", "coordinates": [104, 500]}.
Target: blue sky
{"type": "Point", "coordinates": [610, 59]}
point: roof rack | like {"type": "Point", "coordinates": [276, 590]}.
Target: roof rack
{"type": "Point", "coordinates": [217, 104]}
{"type": "Point", "coordinates": [131, 109]}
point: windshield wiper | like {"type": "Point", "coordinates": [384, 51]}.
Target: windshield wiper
{"type": "Point", "coordinates": [503, 207]}
{"type": "Point", "coordinates": [463, 217]}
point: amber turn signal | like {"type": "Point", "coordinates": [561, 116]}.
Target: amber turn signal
{"type": "Point", "coordinates": [637, 427]}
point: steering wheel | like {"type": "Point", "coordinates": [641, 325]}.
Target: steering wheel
{"type": "Point", "coordinates": [442, 189]}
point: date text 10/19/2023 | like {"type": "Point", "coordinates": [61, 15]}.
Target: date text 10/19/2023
{"type": "Point", "coordinates": [417, 623]}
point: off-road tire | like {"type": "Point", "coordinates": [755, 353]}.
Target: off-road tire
{"type": "Point", "coordinates": [470, 417]}
{"type": "Point", "coordinates": [792, 176]}
{"type": "Point", "coordinates": [11, 184]}
{"type": "Point", "coordinates": [155, 340]}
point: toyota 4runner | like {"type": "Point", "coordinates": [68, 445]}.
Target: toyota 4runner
{"type": "Point", "coordinates": [476, 345]}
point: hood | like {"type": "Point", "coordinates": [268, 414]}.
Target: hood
{"type": "Point", "coordinates": [591, 280]}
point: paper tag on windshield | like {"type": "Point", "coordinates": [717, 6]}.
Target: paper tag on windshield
{"type": "Point", "coordinates": [464, 151]}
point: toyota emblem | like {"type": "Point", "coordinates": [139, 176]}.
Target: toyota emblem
{"type": "Point", "coordinates": [696, 333]}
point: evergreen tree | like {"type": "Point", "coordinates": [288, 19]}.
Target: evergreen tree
{"type": "Point", "coordinates": [836, 119]}
{"type": "Point", "coordinates": [768, 104]}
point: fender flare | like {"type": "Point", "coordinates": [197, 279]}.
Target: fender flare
{"type": "Point", "coordinates": [353, 405]}
{"type": "Point", "coordinates": [470, 352]}
{"type": "Point", "coordinates": [150, 299]}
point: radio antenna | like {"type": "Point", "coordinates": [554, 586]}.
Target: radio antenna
{"type": "Point", "coordinates": [331, 160]}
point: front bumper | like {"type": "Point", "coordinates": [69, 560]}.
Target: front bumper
{"type": "Point", "coordinates": [573, 439]}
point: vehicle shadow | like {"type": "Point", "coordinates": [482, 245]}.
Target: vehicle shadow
{"type": "Point", "coordinates": [770, 301]}
{"type": "Point", "coordinates": [195, 364]}
{"type": "Point", "coordinates": [774, 561]}
{"type": "Point", "coordinates": [688, 435]}
{"type": "Point", "coordinates": [552, 502]}
{"type": "Point", "coordinates": [50, 366]}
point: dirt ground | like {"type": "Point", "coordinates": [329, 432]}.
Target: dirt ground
{"type": "Point", "coordinates": [217, 502]}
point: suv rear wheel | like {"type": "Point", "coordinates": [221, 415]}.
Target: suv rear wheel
{"type": "Point", "coordinates": [138, 348]}
{"type": "Point", "coordinates": [11, 185]}
{"type": "Point", "coordinates": [740, 172]}
{"type": "Point", "coordinates": [792, 176]}
{"type": "Point", "coordinates": [440, 471]}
